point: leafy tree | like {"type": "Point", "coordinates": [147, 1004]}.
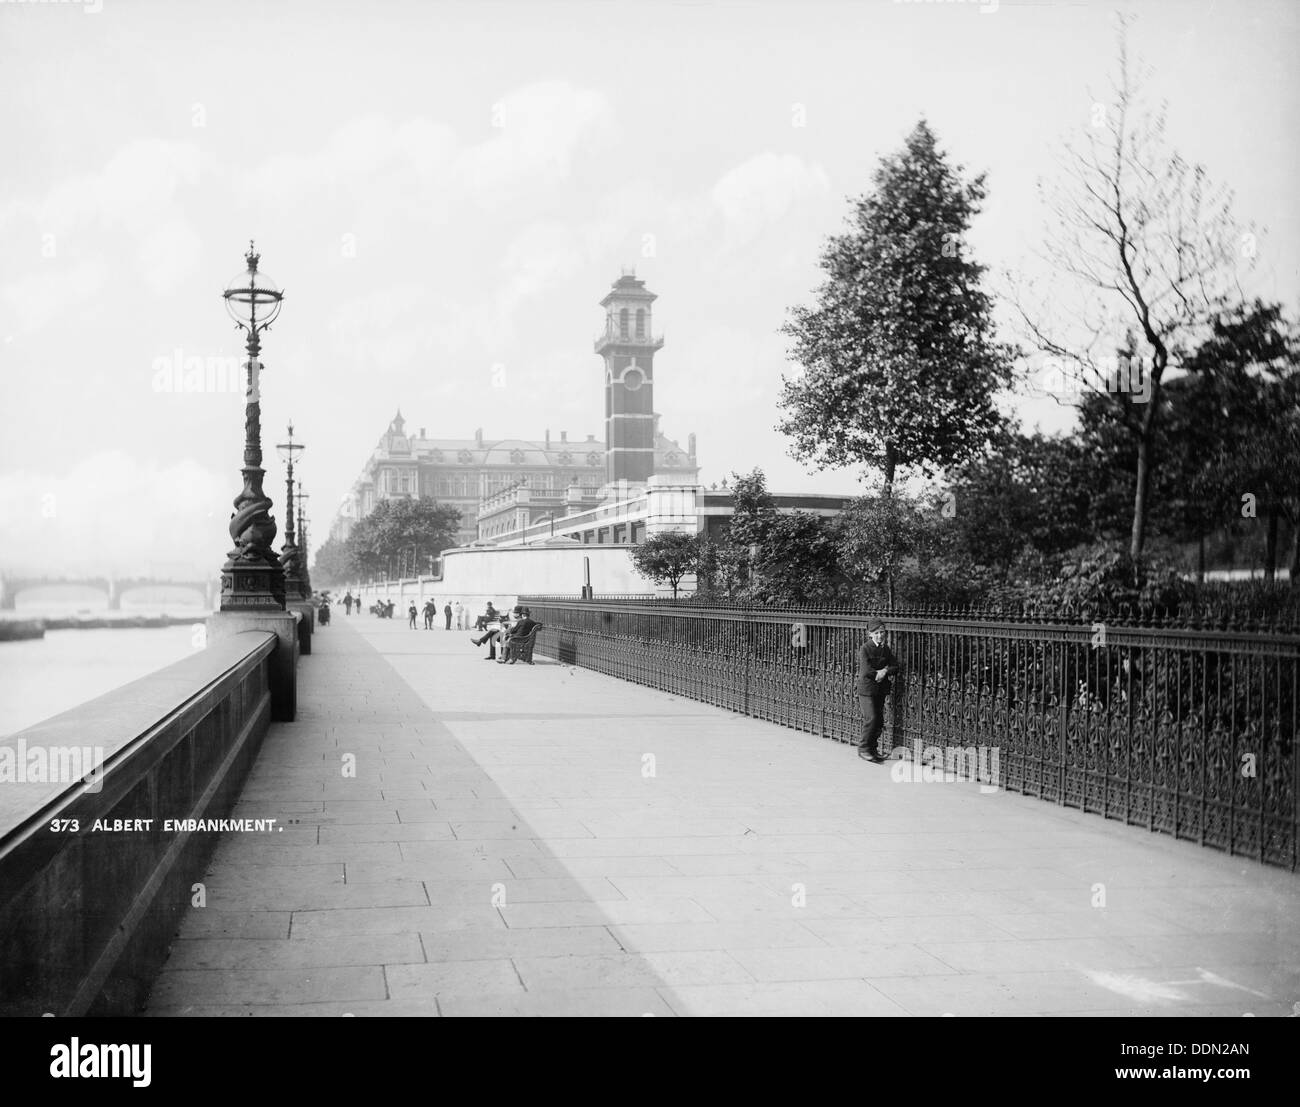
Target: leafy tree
{"type": "Point", "coordinates": [398, 528]}
{"type": "Point", "coordinates": [667, 558]}
{"type": "Point", "coordinates": [1026, 491]}
{"type": "Point", "coordinates": [1105, 579]}
{"type": "Point", "coordinates": [334, 563]}
{"type": "Point", "coordinates": [775, 557]}
{"type": "Point", "coordinates": [899, 364]}
{"type": "Point", "coordinates": [1150, 249]}
{"type": "Point", "coordinates": [877, 537]}
{"type": "Point", "coordinates": [799, 560]}
{"type": "Point", "coordinates": [1239, 413]}
{"type": "Point", "coordinates": [723, 571]}
{"type": "Point", "coordinates": [753, 509]}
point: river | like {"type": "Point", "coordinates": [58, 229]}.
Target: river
{"type": "Point", "coordinates": [41, 677]}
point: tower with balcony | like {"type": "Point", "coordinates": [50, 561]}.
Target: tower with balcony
{"type": "Point", "coordinates": [628, 344]}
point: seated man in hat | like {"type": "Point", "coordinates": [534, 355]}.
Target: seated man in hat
{"type": "Point", "coordinates": [521, 629]}
{"type": "Point", "coordinates": [876, 666]}
{"type": "Point", "coordinates": [492, 633]}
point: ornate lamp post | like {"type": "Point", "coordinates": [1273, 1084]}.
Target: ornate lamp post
{"type": "Point", "coordinates": [291, 557]}
{"type": "Point", "coordinates": [303, 557]}
{"type": "Point", "coordinates": [252, 579]}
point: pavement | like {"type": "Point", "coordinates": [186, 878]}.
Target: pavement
{"type": "Point", "coordinates": [460, 838]}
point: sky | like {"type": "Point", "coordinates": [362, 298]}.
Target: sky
{"type": "Point", "coordinates": [446, 191]}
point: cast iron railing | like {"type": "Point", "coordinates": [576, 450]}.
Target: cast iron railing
{"type": "Point", "coordinates": [1189, 732]}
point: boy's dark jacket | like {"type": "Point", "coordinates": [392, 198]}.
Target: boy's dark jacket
{"type": "Point", "coordinates": [872, 658]}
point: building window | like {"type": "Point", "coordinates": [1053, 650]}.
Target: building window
{"type": "Point", "coordinates": [465, 457]}
{"type": "Point", "coordinates": [622, 323]}
{"type": "Point", "coordinates": [670, 459]}
{"type": "Point", "coordinates": [638, 533]}
{"type": "Point", "coordinates": [593, 458]}
{"type": "Point", "coordinates": [640, 322]}
{"type": "Point", "coordinates": [516, 457]}
{"type": "Point", "coordinates": [618, 534]}
{"type": "Point", "coordinates": [565, 458]}
{"type": "Point", "coordinates": [602, 536]}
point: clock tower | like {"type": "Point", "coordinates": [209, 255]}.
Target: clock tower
{"type": "Point", "coordinates": [628, 345]}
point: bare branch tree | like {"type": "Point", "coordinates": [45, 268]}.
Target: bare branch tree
{"type": "Point", "coordinates": [1150, 250]}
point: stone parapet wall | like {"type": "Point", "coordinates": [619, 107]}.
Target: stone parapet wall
{"type": "Point", "coordinates": [87, 915]}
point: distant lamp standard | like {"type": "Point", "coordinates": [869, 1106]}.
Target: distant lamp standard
{"type": "Point", "coordinates": [291, 557]}
{"type": "Point", "coordinates": [303, 546]}
{"type": "Point", "coordinates": [252, 578]}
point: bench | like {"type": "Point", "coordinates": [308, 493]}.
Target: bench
{"type": "Point", "coordinates": [521, 649]}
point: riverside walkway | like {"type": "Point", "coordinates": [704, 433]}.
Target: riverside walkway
{"type": "Point", "coordinates": [548, 841]}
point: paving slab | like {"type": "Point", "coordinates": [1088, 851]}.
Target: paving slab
{"type": "Point", "coordinates": [464, 839]}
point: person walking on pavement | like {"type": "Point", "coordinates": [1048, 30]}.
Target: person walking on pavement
{"type": "Point", "coordinates": [877, 665]}
{"type": "Point", "coordinates": [430, 610]}
{"type": "Point", "coordinates": [460, 616]}
{"type": "Point", "coordinates": [447, 613]}
{"type": "Point", "coordinates": [411, 614]}
{"type": "Point", "coordinates": [347, 603]}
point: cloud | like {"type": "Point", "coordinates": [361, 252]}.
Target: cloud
{"type": "Point", "coordinates": [762, 191]}
{"type": "Point", "coordinates": [39, 297]}
{"type": "Point", "coordinates": [113, 513]}
{"type": "Point", "coordinates": [140, 193]}
{"type": "Point", "coordinates": [404, 328]}
{"type": "Point", "coordinates": [538, 130]}
{"type": "Point", "coordinates": [141, 182]}
{"type": "Point", "coordinates": [422, 168]}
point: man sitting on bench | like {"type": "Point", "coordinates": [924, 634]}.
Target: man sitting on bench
{"type": "Point", "coordinates": [517, 633]}
{"type": "Point", "coordinates": [491, 635]}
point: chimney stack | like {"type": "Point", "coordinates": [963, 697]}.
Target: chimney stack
{"type": "Point", "coordinates": [421, 432]}
{"type": "Point", "coordinates": [548, 438]}
{"type": "Point", "coordinates": [478, 437]}
{"type": "Point", "coordinates": [690, 444]}
{"type": "Point", "coordinates": [564, 436]}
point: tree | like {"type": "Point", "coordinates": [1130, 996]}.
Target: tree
{"type": "Point", "coordinates": [879, 534]}
{"type": "Point", "coordinates": [1240, 407]}
{"type": "Point", "coordinates": [1025, 491]}
{"type": "Point", "coordinates": [798, 561]}
{"type": "Point", "coordinates": [752, 509]}
{"type": "Point", "coordinates": [1150, 246]}
{"type": "Point", "coordinates": [334, 563]}
{"type": "Point", "coordinates": [899, 364]}
{"type": "Point", "coordinates": [667, 558]}
{"type": "Point", "coordinates": [723, 569]}
{"type": "Point", "coordinates": [402, 528]}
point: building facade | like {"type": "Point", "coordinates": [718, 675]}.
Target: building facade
{"type": "Point", "coordinates": [499, 485]}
